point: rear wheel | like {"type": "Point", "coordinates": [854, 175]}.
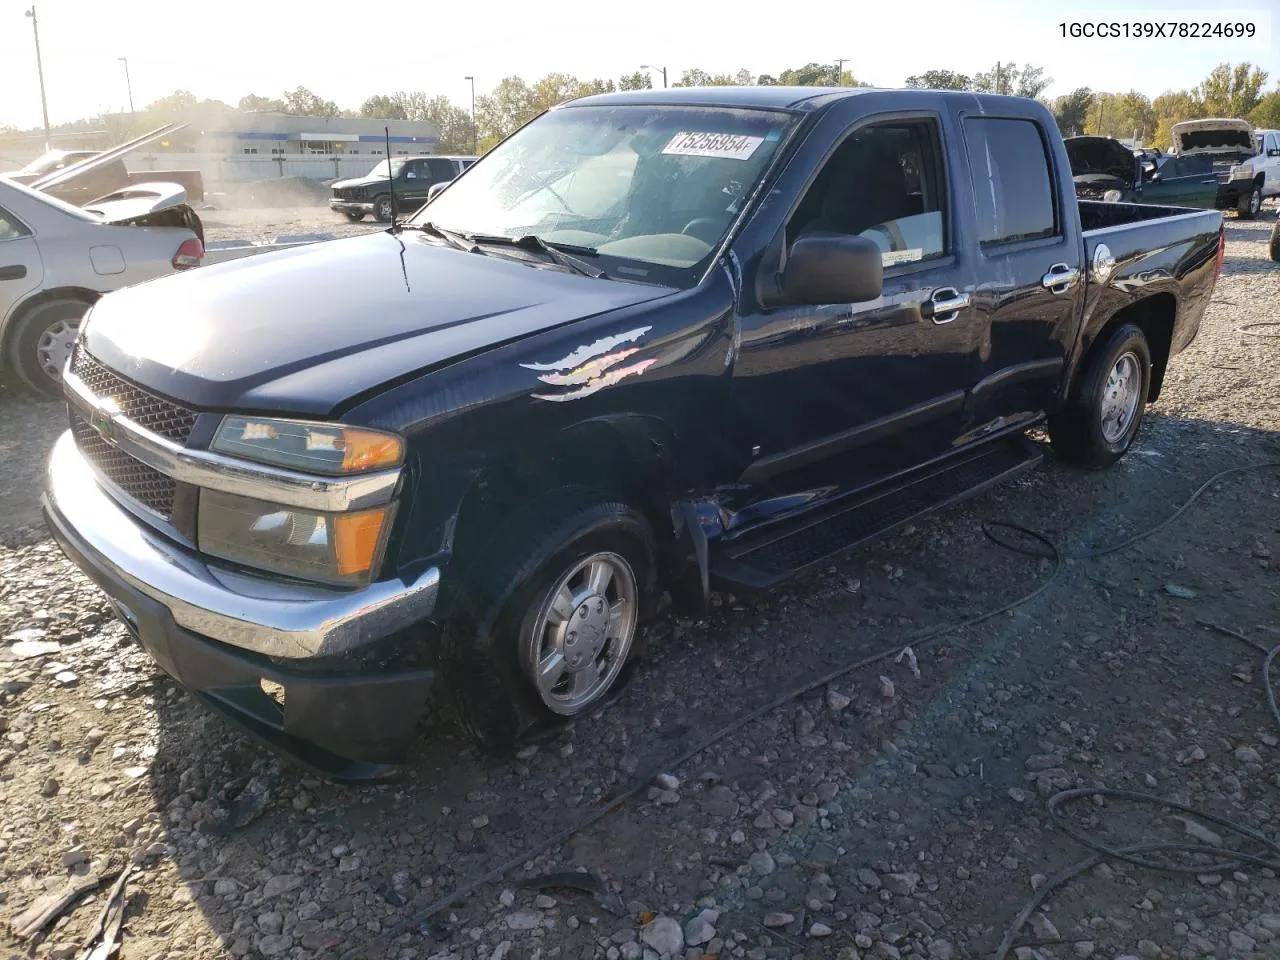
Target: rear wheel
{"type": "Point", "coordinates": [355, 216]}
{"type": "Point", "coordinates": [545, 625]}
{"type": "Point", "coordinates": [1249, 205]}
{"type": "Point", "coordinates": [1099, 423]}
{"type": "Point", "coordinates": [382, 208]}
{"type": "Point", "coordinates": [41, 342]}
{"type": "Point", "coordinates": [1275, 241]}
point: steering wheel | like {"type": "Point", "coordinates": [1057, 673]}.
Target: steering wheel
{"type": "Point", "coordinates": [714, 231]}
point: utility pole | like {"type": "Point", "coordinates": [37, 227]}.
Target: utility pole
{"type": "Point", "coordinates": [840, 70]}
{"type": "Point", "coordinates": [473, 114]}
{"type": "Point", "coordinates": [133, 117]}
{"type": "Point", "coordinates": [44, 105]}
{"type": "Point", "coordinates": [999, 78]}
{"type": "Point", "coordinates": [645, 66]}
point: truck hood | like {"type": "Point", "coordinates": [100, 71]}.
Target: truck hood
{"type": "Point", "coordinates": [358, 182]}
{"type": "Point", "coordinates": [1092, 156]}
{"type": "Point", "coordinates": [1213, 136]}
{"type": "Point", "coordinates": [300, 331]}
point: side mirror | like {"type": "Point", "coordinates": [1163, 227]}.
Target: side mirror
{"type": "Point", "coordinates": [1273, 152]}
{"type": "Point", "coordinates": [833, 268]}
{"type": "Point", "coordinates": [434, 189]}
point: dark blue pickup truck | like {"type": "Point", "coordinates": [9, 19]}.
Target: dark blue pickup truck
{"type": "Point", "coordinates": [658, 342]}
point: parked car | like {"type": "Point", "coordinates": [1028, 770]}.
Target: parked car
{"type": "Point", "coordinates": [1105, 169]}
{"type": "Point", "coordinates": [1245, 161]}
{"type": "Point", "coordinates": [411, 177]}
{"type": "Point", "coordinates": [82, 176]}
{"type": "Point", "coordinates": [56, 259]}
{"type": "Point", "coordinates": [660, 340]}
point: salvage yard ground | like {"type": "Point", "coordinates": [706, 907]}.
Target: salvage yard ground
{"type": "Point", "coordinates": [898, 811]}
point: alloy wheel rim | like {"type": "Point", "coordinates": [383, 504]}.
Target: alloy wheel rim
{"type": "Point", "coordinates": [583, 633]}
{"type": "Point", "coordinates": [54, 347]}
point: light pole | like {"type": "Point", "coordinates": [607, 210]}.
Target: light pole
{"type": "Point", "coordinates": [840, 70]}
{"type": "Point", "coordinates": [473, 114]}
{"type": "Point", "coordinates": [133, 117]}
{"type": "Point", "coordinates": [44, 105]}
{"type": "Point", "coordinates": [645, 66]}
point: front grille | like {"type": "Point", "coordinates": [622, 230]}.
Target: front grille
{"type": "Point", "coordinates": [160, 416]}
{"type": "Point", "coordinates": [149, 487]}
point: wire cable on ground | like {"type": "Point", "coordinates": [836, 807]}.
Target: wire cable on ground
{"type": "Point", "coordinates": [925, 637]}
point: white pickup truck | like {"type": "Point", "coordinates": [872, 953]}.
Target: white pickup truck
{"type": "Point", "coordinates": [1246, 161]}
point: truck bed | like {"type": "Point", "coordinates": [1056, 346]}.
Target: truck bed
{"type": "Point", "coordinates": [1097, 215]}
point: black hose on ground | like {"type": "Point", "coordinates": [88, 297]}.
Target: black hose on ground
{"type": "Point", "coordinates": [1051, 552]}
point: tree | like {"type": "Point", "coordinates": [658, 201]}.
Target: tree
{"type": "Point", "coordinates": [251, 102]}
{"type": "Point", "coordinates": [1006, 78]}
{"type": "Point", "coordinates": [1231, 92]}
{"type": "Point", "coordinates": [381, 107]}
{"type": "Point", "coordinates": [500, 113]}
{"type": "Point", "coordinates": [1173, 107]}
{"type": "Point", "coordinates": [766, 80]}
{"type": "Point", "coordinates": [1267, 113]}
{"type": "Point", "coordinates": [640, 80]}
{"type": "Point", "coordinates": [940, 80]}
{"type": "Point", "coordinates": [810, 75]}
{"type": "Point", "coordinates": [457, 134]}
{"type": "Point", "coordinates": [301, 102]}
{"type": "Point", "coordinates": [700, 78]}
{"type": "Point", "coordinates": [743, 78]}
{"type": "Point", "coordinates": [1071, 111]}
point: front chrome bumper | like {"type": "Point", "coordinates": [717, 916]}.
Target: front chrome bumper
{"type": "Point", "coordinates": [350, 206]}
{"type": "Point", "coordinates": [267, 616]}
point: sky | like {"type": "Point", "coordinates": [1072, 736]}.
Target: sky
{"type": "Point", "coordinates": [226, 49]}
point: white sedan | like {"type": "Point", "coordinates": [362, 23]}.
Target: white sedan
{"type": "Point", "coordinates": [57, 259]}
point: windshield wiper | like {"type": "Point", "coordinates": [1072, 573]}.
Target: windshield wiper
{"type": "Point", "coordinates": [458, 240]}
{"type": "Point", "coordinates": [559, 252]}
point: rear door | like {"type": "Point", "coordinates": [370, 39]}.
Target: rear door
{"type": "Point", "coordinates": [1271, 164]}
{"type": "Point", "coordinates": [1183, 182]}
{"type": "Point", "coordinates": [1029, 268]}
{"type": "Point", "coordinates": [442, 170]}
{"type": "Point", "coordinates": [21, 270]}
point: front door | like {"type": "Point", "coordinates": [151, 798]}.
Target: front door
{"type": "Point", "coordinates": [876, 386]}
{"type": "Point", "coordinates": [1029, 271]}
{"type": "Point", "coordinates": [21, 269]}
{"type": "Point", "coordinates": [1183, 182]}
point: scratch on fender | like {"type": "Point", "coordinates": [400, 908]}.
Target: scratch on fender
{"type": "Point", "coordinates": [584, 353]}
{"type": "Point", "coordinates": [599, 383]}
{"type": "Point", "coordinates": [588, 371]}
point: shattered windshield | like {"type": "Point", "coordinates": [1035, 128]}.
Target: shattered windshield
{"type": "Point", "coordinates": [652, 190]}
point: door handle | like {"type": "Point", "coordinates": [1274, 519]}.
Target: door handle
{"type": "Point", "coordinates": [13, 273]}
{"type": "Point", "coordinates": [1060, 278]}
{"type": "Point", "coordinates": [944, 305]}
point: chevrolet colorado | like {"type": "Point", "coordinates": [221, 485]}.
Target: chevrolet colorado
{"type": "Point", "coordinates": [654, 343]}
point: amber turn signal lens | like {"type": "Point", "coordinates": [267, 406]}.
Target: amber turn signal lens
{"type": "Point", "coordinates": [366, 450]}
{"type": "Point", "coordinates": [357, 537]}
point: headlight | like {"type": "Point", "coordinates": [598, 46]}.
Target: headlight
{"type": "Point", "coordinates": [1112, 196]}
{"type": "Point", "coordinates": [1241, 172]}
{"type": "Point", "coordinates": [326, 448]}
{"type": "Point", "coordinates": [337, 548]}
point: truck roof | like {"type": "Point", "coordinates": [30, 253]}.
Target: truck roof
{"type": "Point", "coordinates": [769, 98]}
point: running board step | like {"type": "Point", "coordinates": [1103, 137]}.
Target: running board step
{"type": "Point", "coordinates": [759, 561]}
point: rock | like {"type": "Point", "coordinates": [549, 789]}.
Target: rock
{"type": "Point", "coordinates": [480, 822]}
{"type": "Point", "coordinates": [501, 950]}
{"type": "Point", "coordinates": [886, 688]}
{"type": "Point", "coordinates": [1044, 928]}
{"type": "Point", "coordinates": [1182, 593]}
{"type": "Point", "coordinates": [270, 922]}
{"type": "Point", "coordinates": [544, 902]}
{"type": "Point", "coordinates": [761, 863]}
{"type": "Point", "coordinates": [1248, 755]}
{"type": "Point", "coordinates": [820, 930]}
{"type": "Point", "coordinates": [940, 950]}
{"type": "Point", "coordinates": [64, 951]}
{"type": "Point", "coordinates": [1241, 942]}
{"type": "Point", "coordinates": [939, 771]}
{"type": "Point", "coordinates": [1018, 795]}
{"type": "Point", "coordinates": [666, 798]}
{"type": "Point", "coordinates": [349, 864]}
{"type": "Point", "coordinates": [1201, 832]}
{"type": "Point", "coordinates": [275, 944]}
{"type": "Point", "coordinates": [775, 920]}
{"type": "Point", "coordinates": [66, 678]}
{"type": "Point", "coordinates": [699, 930]}
{"type": "Point", "coordinates": [666, 781]}
{"type": "Point", "coordinates": [100, 791]}
{"type": "Point", "coordinates": [720, 802]}
{"type": "Point", "coordinates": [523, 920]}
{"type": "Point", "coordinates": [784, 818]}
{"type": "Point", "coordinates": [225, 887]}
{"type": "Point", "coordinates": [507, 898]}
{"type": "Point", "coordinates": [74, 857]}
{"type": "Point", "coordinates": [1038, 880]}
{"type": "Point", "coordinates": [1085, 948]}
{"type": "Point", "coordinates": [663, 935]}
{"type": "Point", "coordinates": [837, 701]}
{"type": "Point", "coordinates": [630, 951]}
{"type": "Point", "coordinates": [868, 878]}
{"type": "Point", "coordinates": [903, 884]}
{"type": "Point", "coordinates": [1149, 949]}
{"type": "Point", "coordinates": [281, 884]}
{"type": "Point", "coordinates": [1197, 753]}
{"type": "Point", "coordinates": [1040, 762]}
{"type": "Point", "coordinates": [49, 787]}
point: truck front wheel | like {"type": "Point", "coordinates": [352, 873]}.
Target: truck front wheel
{"type": "Point", "coordinates": [1099, 423]}
{"type": "Point", "coordinates": [1250, 204]}
{"type": "Point", "coordinates": [548, 620]}
{"type": "Point", "coordinates": [382, 208]}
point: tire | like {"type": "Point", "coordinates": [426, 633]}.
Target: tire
{"type": "Point", "coordinates": [355, 216]}
{"type": "Point", "coordinates": [382, 208]}
{"type": "Point", "coordinates": [40, 343]}
{"type": "Point", "coordinates": [1098, 425]}
{"type": "Point", "coordinates": [1275, 241]}
{"type": "Point", "coordinates": [499, 626]}
{"type": "Point", "coordinates": [1250, 205]}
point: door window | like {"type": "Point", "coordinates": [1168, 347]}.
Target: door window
{"type": "Point", "coordinates": [415, 170]}
{"type": "Point", "coordinates": [11, 227]}
{"type": "Point", "coordinates": [884, 182]}
{"type": "Point", "coordinates": [1012, 182]}
{"type": "Point", "coordinates": [441, 170]}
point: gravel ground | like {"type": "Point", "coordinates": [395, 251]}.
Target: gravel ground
{"type": "Point", "coordinates": [896, 812]}
{"type": "Point", "coordinates": [266, 223]}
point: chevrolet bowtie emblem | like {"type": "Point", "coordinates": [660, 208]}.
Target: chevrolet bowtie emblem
{"type": "Point", "coordinates": [103, 419]}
